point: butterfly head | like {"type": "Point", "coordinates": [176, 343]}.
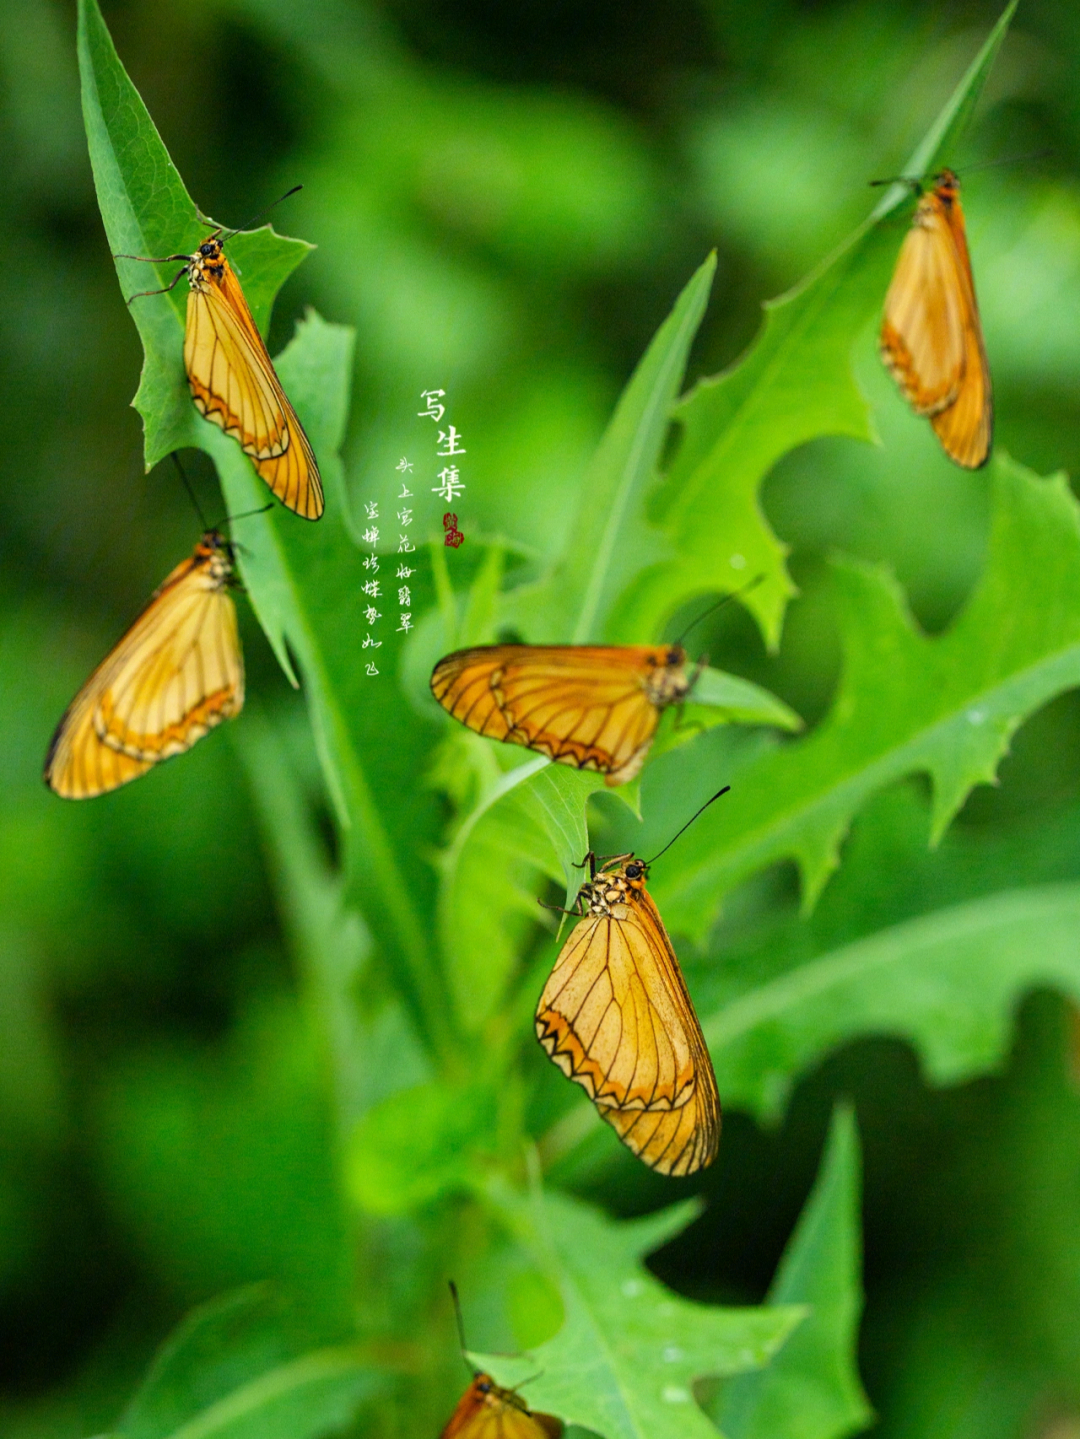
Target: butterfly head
{"type": "Point", "coordinates": [207, 263]}
{"type": "Point", "coordinates": [494, 1396]}
{"type": "Point", "coordinates": [636, 872]}
{"type": "Point", "coordinates": [666, 682]}
{"type": "Point", "coordinates": [217, 554]}
{"type": "Point", "coordinates": [947, 186]}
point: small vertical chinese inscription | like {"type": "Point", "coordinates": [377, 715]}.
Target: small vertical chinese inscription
{"type": "Point", "coordinates": [370, 586]}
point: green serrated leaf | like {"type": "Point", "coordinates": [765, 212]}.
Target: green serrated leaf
{"type": "Point", "coordinates": [811, 1389]}
{"type": "Point", "coordinates": [740, 701]}
{"type": "Point", "coordinates": [948, 982]}
{"type": "Point", "coordinates": [626, 1358]}
{"type": "Point", "coordinates": [526, 825]}
{"type": "Point", "coordinates": [720, 699]}
{"type": "Point", "coordinates": [148, 212]}
{"type": "Point", "coordinates": [795, 383]}
{"type": "Point", "coordinates": [610, 540]}
{"type": "Point", "coordinates": [488, 903]}
{"type": "Point", "coordinates": [944, 705]}
{"type": "Point", "coordinates": [558, 795]}
{"type": "Point", "coordinates": [232, 1371]}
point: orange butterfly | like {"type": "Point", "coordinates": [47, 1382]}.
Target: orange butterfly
{"type": "Point", "coordinates": [616, 1017]}
{"type": "Point", "coordinates": [487, 1411]}
{"type": "Point", "coordinates": [931, 338]}
{"type": "Point", "coordinates": [176, 674]}
{"type": "Point", "coordinates": [233, 381]}
{"type": "Point", "coordinates": [592, 706]}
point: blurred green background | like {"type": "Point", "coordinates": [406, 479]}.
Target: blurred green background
{"type": "Point", "coordinates": [507, 197]}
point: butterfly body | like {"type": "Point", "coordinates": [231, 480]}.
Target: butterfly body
{"type": "Point", "coordinates": [616, 1017]}
{"type": "Point", "coordinates": [931, 336]}
{"type": "Point", "coordinates": [175, 675]}
{"type": "Point", "coordinates": [487, 1411]}
{"type": "Point", "coordinates": [595, 707]}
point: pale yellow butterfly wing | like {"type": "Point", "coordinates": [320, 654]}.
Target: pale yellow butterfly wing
{"type": "Point", "coordinates": [234, 384]}
{"type": "Point", "coordinates": [922, 334]}
{"type": "Point", "coordinates": [595, 707]}
{"type": "Point", "coordinates": [616, 1017]}
{"type": "Point", "coordinates": [931, 336]}
{"type": "Point", "coordinates": [175, 675]}
{"type": "Point", "coordinates": [965, 428]}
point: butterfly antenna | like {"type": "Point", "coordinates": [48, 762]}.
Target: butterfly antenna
{"type": "Point", "coordinates": [915, 184]}
{"type": "Point", "coordinates": [720, 603]}
{"type": "Point", "coordinates": [531, 1380]}
{"type": "Point", "coordinates": [1025, 159]}
{"type": "Point", "coordinates": [460, 1325]}
{"type": "Point", "coordinates": [247, 514]}
{"type": "Point", "coordinates": [262, 214]}
{"type": "Point", "coordinates": [191, 493]}
{"type": "Point", "coordinates": [686, 826]}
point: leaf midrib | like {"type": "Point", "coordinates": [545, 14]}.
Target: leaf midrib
{"type": "Point", "coordinates": [394, 889]}
{"type": "Point", "coordinates": [624, 1394]}
{"type": "Point", "coordinates": [743, 411]}
{"type": "Point", "coordinates": [890, 946]}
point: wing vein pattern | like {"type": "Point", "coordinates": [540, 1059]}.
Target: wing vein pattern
{"type": "Point", "coordinates": [616, 1017]}
{"type": "Point", "coordinates": [591, 706]}
{"type": "Point", "coordinates": [931, 336]}
{"type": "Point", "coordinates": [234, 385]}
{"type": "Point", "coordinates": [176, 674]}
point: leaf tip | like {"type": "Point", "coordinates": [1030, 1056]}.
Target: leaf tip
{"type": "Point", "coordinates": [817, 867]}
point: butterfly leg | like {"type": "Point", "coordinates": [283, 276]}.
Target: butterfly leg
{"type": "Point", "coordinates": [141, 294]}
{"type": "Point", "coordinates": [152, 259]}
{"type": "Point", "coordinates": [578, 911]}
{"type": "Point", "coordinates": [695, 725]}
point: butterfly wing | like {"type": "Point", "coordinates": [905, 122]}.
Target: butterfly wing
{"type": "Point", "coordinates": [594, 707]}
{"type": "Point", "coordinates": [922, 334]}
{"type": "Point", "coordinates": [965, 428]}
{"type": "Point", "coordinates": [485, 1411]}
{"type": "Point", "coordinates": [234, 384]}
{"type": "Point", "coordinates": [616, 1017]}
{"type": "Point", "coordinates": [931, 337]}
{"type": "Point", "coordinates": [176, 674]}
{"type": "Point", "coordinates": [674, 1142]}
